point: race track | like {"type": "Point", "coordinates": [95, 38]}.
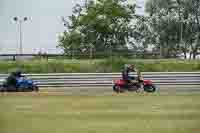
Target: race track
{"type": "Point", "coordinates": [108, 90]}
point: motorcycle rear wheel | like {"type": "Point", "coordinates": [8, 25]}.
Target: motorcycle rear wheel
{"type": "Point", "coordinates": [35, 88]}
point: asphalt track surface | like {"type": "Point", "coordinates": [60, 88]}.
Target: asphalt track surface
{"type": "Point", "coordinates": [108, 90]}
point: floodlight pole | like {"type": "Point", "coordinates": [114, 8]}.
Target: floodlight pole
{"type": "Point", "coordinates": [16, 19]}
{"type": "Point", "coordinates": [20, 36]}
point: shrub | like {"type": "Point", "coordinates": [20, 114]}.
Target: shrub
{"type": "Point", "coordinates": [113, 64]}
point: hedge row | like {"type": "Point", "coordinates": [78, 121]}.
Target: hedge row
{"type": "Point", "coordinates": [106, 65]}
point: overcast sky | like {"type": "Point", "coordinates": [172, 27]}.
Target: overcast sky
{"type": "Point", "coordinates": [41, 30]}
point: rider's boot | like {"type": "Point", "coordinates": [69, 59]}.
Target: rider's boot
{"type": "Point", "coordinates": [142, 88]}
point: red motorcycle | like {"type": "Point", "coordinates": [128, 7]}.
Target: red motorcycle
{"type": "Point", "coordinates": [121, 86]}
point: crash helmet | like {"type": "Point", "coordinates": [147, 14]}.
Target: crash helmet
{"type": "Point", "coordinates": [125, 66]}
{"type": "Point", "coordinates": [131, 66]}
{"type": "Point", "coordinates": [18, 73]}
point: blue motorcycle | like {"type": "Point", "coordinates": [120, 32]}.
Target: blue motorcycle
{"type": "Point", "coordinates": [23, 84]}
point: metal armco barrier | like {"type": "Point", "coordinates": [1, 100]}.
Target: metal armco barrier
{"type": "Point", "coordinates": [106, 79]}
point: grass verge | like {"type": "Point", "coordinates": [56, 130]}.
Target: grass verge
{"type": "Point", "coordinates": [141, 113]}
{"type": "Point", "coordinates": [103, 65]}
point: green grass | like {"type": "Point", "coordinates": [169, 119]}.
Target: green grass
{"type": "Point", "coordinates": [99, 65]}
{"type": "Point", "coordinates": [111, 113]}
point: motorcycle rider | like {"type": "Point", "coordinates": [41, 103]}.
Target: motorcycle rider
{"type": "Point", "coordinates": [130, 79]}
{"type": "Point", "coordinates": [12, 78]}
{"type": "Point", "coordinates": [18, 74]}
{"type": "Point", "coordinates": [126, 71]}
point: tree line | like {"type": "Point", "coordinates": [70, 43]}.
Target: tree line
{"type": "Point", "coordinates": [170, 27]}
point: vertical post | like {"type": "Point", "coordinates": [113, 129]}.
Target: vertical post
{"type": "Point", "coordinates": [14, 58]}
{"type": "Point", "coordinates": [181, 32]}
{"type": "Point", "coordinates": [16, 19]}
{"type": "Point", "coordinates": [86, 3]}
{"type": "Point", "coordinates": [72, 53]}
{"type": "Point", "coordinates": [20, 36]}
{"type": "Point", "coordinates": [160, 50]}
{"type": "Point", "coordinates": [47, 57]}
{"type": "Point", "coordinates": [110, 50]}
{"type": "Point", "coordinates": [91, 52]}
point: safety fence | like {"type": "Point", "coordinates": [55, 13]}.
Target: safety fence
{"type": "Point", "coordinates": [106, 79]}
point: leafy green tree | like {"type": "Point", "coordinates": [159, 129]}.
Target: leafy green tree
{"type": "Point", "coordinates": [100, 25]}
{"type": "Point", "coordinates": [176, 23]}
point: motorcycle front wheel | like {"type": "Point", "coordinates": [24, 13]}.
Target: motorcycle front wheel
{"type": "Point", "coordinates": [150, 88]}
{"type": "Point", "coordinates": [118, 89]}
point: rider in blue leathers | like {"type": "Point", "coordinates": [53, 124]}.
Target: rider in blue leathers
{"type": "Point", "coordinates": [12, 78]}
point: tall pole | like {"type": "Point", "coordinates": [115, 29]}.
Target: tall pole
{"type": "Point", "coordinates": [16, 19]}
{"type": "Point", "coordinates": [20, 37]}
{"type": "Point", "coordinates": [86, 3]}
{"type": "Point", "coordinates": [181, 32]}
